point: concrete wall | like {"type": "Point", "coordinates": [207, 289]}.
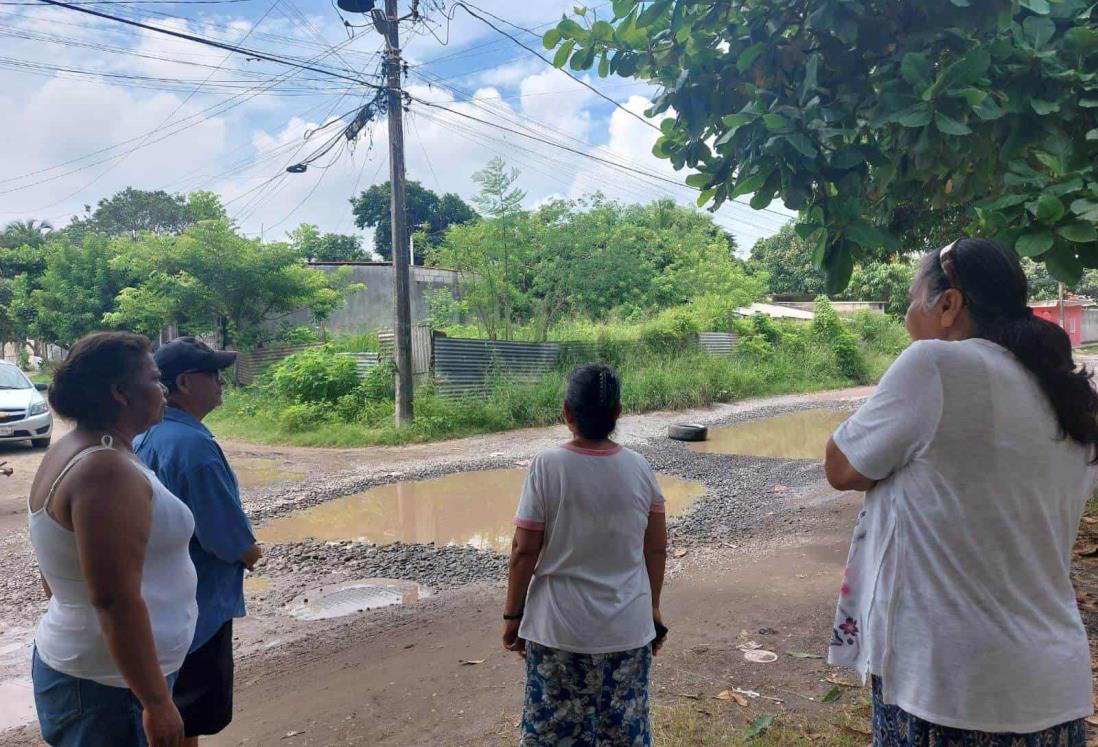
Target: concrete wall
{"type": "Point", "coordinates": [841, 307]}
{"type": "Point", "coordinates": [372, 308]}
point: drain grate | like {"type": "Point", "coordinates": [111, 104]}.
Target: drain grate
{"type": "Point", "coordinates": [353, 597]}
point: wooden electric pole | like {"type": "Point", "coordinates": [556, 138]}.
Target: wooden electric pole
{"type": "Point", "coordinates": [402, 281]}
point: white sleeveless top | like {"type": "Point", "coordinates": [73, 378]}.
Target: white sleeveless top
{"type": "Point", "coordinates": [69, 638]}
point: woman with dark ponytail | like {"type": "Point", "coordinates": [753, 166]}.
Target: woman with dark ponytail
{"type": "Point", "coordinates": [977, 453]}
{"type": "Point", "coordinates": [583, 597]}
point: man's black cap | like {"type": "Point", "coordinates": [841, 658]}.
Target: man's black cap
{"type": "Point", "coordinates": [190, 355]}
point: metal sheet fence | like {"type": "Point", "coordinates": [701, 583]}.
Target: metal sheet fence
{"type": "Point", "coordinates": [251, 364]}
{"type": "Point", "coordinates": [1090, 325]}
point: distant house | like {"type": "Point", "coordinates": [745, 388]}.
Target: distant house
{"type": "Point", "coordinates": [1078, 313]}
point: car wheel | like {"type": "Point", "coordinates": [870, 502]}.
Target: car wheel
{"type": "Point", "coordinates": [687, 432]}
{"type": "Point", "coordinates": [41, 443]}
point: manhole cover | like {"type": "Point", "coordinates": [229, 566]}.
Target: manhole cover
{"type": "Point", "coordinates": [348, 598]}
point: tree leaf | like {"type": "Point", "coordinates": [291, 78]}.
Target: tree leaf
{"type": "Point", "coordinates": [839, 268]}
{"type": "Point", "coordinates": [918, 116]}
{"type": "Point", "coordinates": [832, 695]}
{"type": "Point", "coordinates": [1034, 243]}
{"type": "Point", "coordinates": [1088, 103]}
{"type": "Point", "coordinates": [735, 120]}
{"type": "Point", "coordinates": [699, 181]}
{"type": "Point", "coordinates": [1082, 206]}
{"type": "Point", "coordinates": [915, 69]}
{"type": "Point", "coordinates": [775, 122]}
{"type": "Point", "coordinates": [1037, 30]}
{"type": "Point", "coordinates": [803, 145]}
{"type": "Point", "coordinates": [583, 59]}
{"type": "Point", "coordinates": [1040, 7]}
{"type": "Point", "coordinates": [847, 158]}
{"type": "Point", "coordinates": [1079, 233]}
{"type": "Point", "coordinates": [604, 66]}
{"type": "Point", "coordinates": [819, 250]}
{"type": "Point", "coordinates": [1092, 134]}
{"type": "Point", "coordinates": [961, 3]}
{"type": "Point", "coordinates": [1004, 202]}
{"type": "Point", "coordinates": [563, 53]}
{"type": "Point", "coordinates": [705, 197]}
{"type": "Point", "coordinates": [865, 235]}
{"type": "Point", "coordinates": [811, 76]}
{"type": "Point", "coordinates": [1064, 265]}
{"type": "Point", "coordinates": [551, 39]}
{"type": "Point", "coordinates": [622, 8]}
{"type": "Point", "coordinates": [749, 184]}
{"type": "Point", "coordinates": [602, 31]}
{"type": "Point", "coordinates": [988, 109]}
{"type": "Point", "coordinates": [974, 96]}
{"type": "Point", "coordinates": [1049, 209]}
{"type": "Point", "coordinates": [747, 57]}
{"type": "Point", "coordinates": [653, 12]}
{"type": "Point", "coordinates": [950, 126]}
{"type": "Point", "coordinates": [1044, 107]}
{"type": "Point", "coordinates": [760, 725]}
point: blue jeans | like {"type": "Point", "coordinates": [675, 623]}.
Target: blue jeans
{"type": "Point", "coordinates": [74, 712]}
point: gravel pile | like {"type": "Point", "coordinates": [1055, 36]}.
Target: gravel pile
{"type": "Point", "coordinates": [434, 567]}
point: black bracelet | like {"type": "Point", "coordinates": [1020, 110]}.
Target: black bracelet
{"type": "Point", "coordinates": [517, 616]}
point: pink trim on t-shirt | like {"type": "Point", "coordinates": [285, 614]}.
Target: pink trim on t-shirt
{"type": "Point", "coordinates": [658, 508]}
{"type": "Point", "coordinates": [527, 524]}
{"type": "Point", "coordinates": [593, 452]}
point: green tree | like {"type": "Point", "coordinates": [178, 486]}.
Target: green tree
{"type": "Point", "coordinates": [77, 288]}
{"type": "Point", "coordinates": [33, 233]}
{"type": "Point", "coordinates": [787, 260]}
{"type": "Point", "coordinates": [427, 213]}
{"type": "Point", "coordinates": [848, 109]}
{"type": "Point", "coordinates": [212, 279]}
{"type": "Point", "coordinates": [132, 212]}
{"type": "Point", "coordinates": [329, 247]}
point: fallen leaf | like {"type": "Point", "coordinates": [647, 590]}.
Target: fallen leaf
{"type": "Point", "coordinates": [761, 724]}
{"type": "Point", "coordinates": [731, 695]}
{"type": "Point", "coordinates": [1086, 550]}
{"type": "Point", "coordinates": [472, 662]}
{"type": "Point", "coordinates": [688, 695]}
{"type": "Point", "coordinates": [856, 731]}
{"type": "Point", "coordinates": [1090, 520]}
{"type": "Point", "coordinates": [841, 683]}
{"type": "Point", "coordinates": [680, 553]}
{"type": "Point", "coordinates": [832, 695]}
{"type": "Point", "coordinates": [749, 646]}
{"type": "Point", "coordinates": [802, 655]}
{"type": "Point", "coordinates": [289, 734]}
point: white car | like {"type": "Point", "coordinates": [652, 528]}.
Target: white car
{"type": "Point", "coordinates": [24, 414]}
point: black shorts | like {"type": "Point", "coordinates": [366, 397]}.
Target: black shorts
{"type": "Point", "coordinates": [204, 691]}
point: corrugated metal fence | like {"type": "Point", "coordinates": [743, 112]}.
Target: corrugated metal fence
{"type": "Point", "coordinates": [1090, 325]}
{"type": "Point", "coordinates": [252, 363]}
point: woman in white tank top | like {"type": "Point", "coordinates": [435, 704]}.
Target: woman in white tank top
{"type": "Point", "coordinates": [112, 545]}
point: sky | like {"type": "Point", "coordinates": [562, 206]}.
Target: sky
{"type": "Point", "coordinates": [92, 106]}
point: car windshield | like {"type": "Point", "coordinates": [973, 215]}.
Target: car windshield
{"type": "Point", "coordinates": [13, 378]}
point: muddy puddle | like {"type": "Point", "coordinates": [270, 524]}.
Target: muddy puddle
{"type": "Point", "coordinates": [469, 508]}
{"type": "Point", "coordinates": [797, 435]}
{"type": "Point", "coordinates": [16, 703]}
{"type": "Point", "coordinates": [351, 597]}
{"type": "Point", "coordinates": [259, 473]}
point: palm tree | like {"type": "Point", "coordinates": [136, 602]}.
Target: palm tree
{"type": "Point", "coordinates": [25, 232]}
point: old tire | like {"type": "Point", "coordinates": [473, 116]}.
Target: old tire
{"type": "Point", "coordinates": [687, 432]}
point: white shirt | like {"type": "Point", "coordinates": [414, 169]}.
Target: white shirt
{"type": "Point", "coordinates": [69, 638]}
{"type": "Point", "coordinates": [958, 592]}
{"type": "Point", "coordinates": [590, 593]}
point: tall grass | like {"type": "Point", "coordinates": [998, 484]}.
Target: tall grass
{"type": "Point", "coordinates": [673, 380]}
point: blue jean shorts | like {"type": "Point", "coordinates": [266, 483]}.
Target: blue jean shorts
{"type": "Point", "coordinates": [74, 712]}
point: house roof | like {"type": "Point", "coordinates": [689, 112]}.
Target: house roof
{"type": "Point", "coordinates": [1068, 303]}
{"type": "Point", "coordinates": [776, 312]}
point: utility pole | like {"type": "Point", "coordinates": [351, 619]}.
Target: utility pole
{"type": "Point", "coordinates": [402, 281]}
{"type": "Point", "coordinates": [1060, 297]}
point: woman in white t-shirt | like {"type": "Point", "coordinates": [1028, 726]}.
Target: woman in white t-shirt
{"type": "Point", "coordinates": [587, 567]}
{"type": "Point", "coordinates": [976, 451]}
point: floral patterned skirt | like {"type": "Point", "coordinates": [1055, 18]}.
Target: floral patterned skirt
{"type": "Point", "coordinates": [895, 727]}
{"type": "Point", "coordinates": [586, 700]}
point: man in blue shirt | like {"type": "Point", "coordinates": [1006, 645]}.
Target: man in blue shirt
{"type": "Point", "coordinates": [189, 462]}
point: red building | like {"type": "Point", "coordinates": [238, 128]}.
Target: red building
{"type": "Point", "coordinates": [1073, 315]}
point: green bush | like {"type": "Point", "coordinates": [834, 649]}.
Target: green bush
{"type": "Point", "coordinates": [767, 329]}
{"type": "Point", "coordinates": [301, 416]}
{"type": "Point", "coordinates": [881, 332]}
{"type": "Point", "coordinates": [670, 331]}
{"type": "Point", "coordinates": [755, 346]}
{"type": "Point", "coordinates": [380, 383]}
{"type": "Point", "coordinates": [828, 329]}
{"type": "Point", "coordinates": [290, 336]}
{"type": "Point", "coordinates": [313, 376]}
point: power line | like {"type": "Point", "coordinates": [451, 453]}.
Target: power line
{"type": "Point", "coordinates": [212, 43]}
{"type": "Point", "coordinates": [466, 7]}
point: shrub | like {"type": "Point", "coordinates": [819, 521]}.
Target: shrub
{"type": "Point", "coordinates": [302, 417]}
{"type": "Point", "coordinates": [380, 383]}
{"type": "Point", "coordinates": [314, 376]}
{"type": "Point", "coordinates": [296, 336]}
{"type": "Point", "coordinates": [828, 329]}
{"type": "Point", "coordinates": [670, 331]}
{"type": "Point", "coordinates": [767, 329]}
{"type": "Point", "coordinates": [880, 332]}
{"type": "Point", "coordinates": [755, 347]}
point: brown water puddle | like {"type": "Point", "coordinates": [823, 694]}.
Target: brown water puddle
{"type": "Point", "coordinates": [798, 435]}
{"type": "Point", "coordinates": [348, 598]}
{"type": "Point", "coordinates": [258, 473]}
{"type": "Point", "coordinates": [469, 508]}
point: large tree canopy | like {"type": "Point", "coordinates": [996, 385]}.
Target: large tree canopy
{"type": "Point", "coordinates": [429, 215]}
{"type": "Point", "coordinates": [852, 110]}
